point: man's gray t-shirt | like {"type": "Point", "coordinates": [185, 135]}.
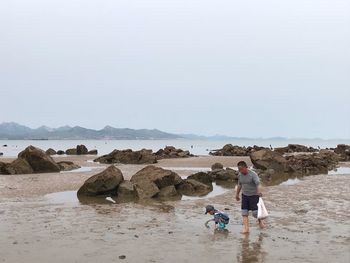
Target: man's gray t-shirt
{"type": "Point", "coordinates": [249, 183]}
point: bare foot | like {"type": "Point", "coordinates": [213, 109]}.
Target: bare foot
{"type": "Point", "coordinates": [245, 231]}
{"type": "Point", "coordinates": [261, 224]}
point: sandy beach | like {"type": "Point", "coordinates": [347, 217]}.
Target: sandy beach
{"type": "Point", "coordinates": [309, 221]}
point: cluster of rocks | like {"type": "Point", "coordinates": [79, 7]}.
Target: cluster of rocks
{"type": "Point", "coordinates": [343, 151]}
{"type": "Point", "coordinates": [35, 160]}
{"type": "Point", "coordinates": [79, 150]}
{"type": "Point", "coordinates": [235, 150]}
{"type": "Point", "coordinates": [268, 161]}
{"type": "Point", "coordinates": [153, 182]}
{"type": "Point", "coordinates": [295, 148]}
{"type": "Point", "coordinates": [172, 152]}
{"type": "Point", "coordinates": [128, 156]}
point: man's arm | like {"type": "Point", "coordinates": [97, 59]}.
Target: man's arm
{"type": "Point", "coordinates": [258, 185]}
{"type": "Point", "coordinates": [239, 187]}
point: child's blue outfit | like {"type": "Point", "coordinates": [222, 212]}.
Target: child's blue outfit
{"type": "Point", "coordinates": [221, 219]}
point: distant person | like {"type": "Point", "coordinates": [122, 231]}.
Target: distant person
{"type": "Point", "coordinates": [191, 146]}
{"type": "Point", "coordinates": [271, 147]}
{"type": "Point", "coordinates": [221, 219]}
{"type": "Point", "coordinates": [249, 183]}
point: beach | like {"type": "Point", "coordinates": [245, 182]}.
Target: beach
{"type": "Point", "coordinates": [43, 221]}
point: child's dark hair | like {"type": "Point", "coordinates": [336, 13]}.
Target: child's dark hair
{"type": "Point", "coordinates": [242, 164]}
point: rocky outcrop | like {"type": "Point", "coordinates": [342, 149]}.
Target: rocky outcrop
{"type": "Point", "coordinates": [39, 160]}
{"type": "Point", "coordinates": [217, 166]}
{"type": "Point", "coordinates": [71, 151]}
{"type": "Point", "coordinates": [128, 157]}
{"type": "Point", "coordinates": [344, 152]}
{"type": "Point", "coordinates": [18, 166]}
{"type": "Point", "coordinates": [202, 177]}
{"type": "Point", "coordinates": [80, 150]}
{"type": "Point", "coordinates": [172, 152]}
{"type": "Point", "coordinates": [193, 187]}
{"type": "Point", "coordinates": [235, 150]}
{"type": "Point", "coordinates": [316, 163]}
{"type": "Point", "coordinates": [67, 166]}
{"type": "Point", "coordinates": [267, 159]}
{"type": "Point", "coordinates": [126, 190]}
{"type": "Point", "coordinates": [50, 151]}
{"type": "Point", "coordinates": [92, 152]}
{"type": "Point", "coordinates": [168, 192]}
{"type": "Point", "coordinates": [295, 148]}
{"type": "Point", "coordinates": [227, 174]}
{"type": "Point", "coordinates": [60, 152]}
{"type": "Point", "coordinates": [103, 183]}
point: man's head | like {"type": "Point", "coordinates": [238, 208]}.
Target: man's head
{"type": "Point", "coordinates": [242, 167]}
{"type": "Point", "coordinates": [209, 209]}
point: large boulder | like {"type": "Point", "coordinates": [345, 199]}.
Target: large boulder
{"type": "Point", "coordinates": [60, 152]}
{"type": "Point", "coordinates": [146, 189]}
{"type": "Point", "coordinates": [172, 152]}
{"type": "Point", "coordinates": [128, 157]}
{"type": "Point", "coordinates": [103, 183]}
{"type": "Point", "coordinates": [267, 159]}
{"type": "Point", "coordinates": [344, 151]}
{"type": "Point", "coordinates": [193, 188]}
{"type": "Point", "coordinates": [50, 151]}
{"type": "Point", "coordinates": [159, 176]}
{"type": "Point", "coordinates": [295, 148]}
{"type": "Point", "coordinates": [202, 177]}
{"type": "Point", "coordinates": [126, 190]}
{"type": "Point", "coordinates": [217, 166]}
{"type": "Point", "coordinates": [224, 175]}
{"type": "Point", "coordinates": [71, 151]}
{"type": "Point", "coordinates": [39, 160]}
{"type": "Point", "coordinates": [67, 165]}
{"type": "Point", "coordinates": [235, 150]}
{"type": "Point", "coordinates": [18, 166]}
{"type": "Point", "coordinates": [81, 149]}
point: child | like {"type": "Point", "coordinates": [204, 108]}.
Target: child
{"type": "Point", "coordinates": [221, 219]}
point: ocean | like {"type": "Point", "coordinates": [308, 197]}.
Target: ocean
{"type": "Point", "coordinates": [197, 147]}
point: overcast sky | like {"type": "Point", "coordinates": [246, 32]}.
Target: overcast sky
{"type": "Point", "coordinates": [241, 68]}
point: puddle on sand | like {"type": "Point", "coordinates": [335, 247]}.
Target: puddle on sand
{"type": "Point", "coordinates": [291, 181]}
{"type": "Point", "coordinates": [82, 169]}
{"type": "Point", "coordinates": [340, 170]}
{"type": "Point", "coordinates": [217, 190]}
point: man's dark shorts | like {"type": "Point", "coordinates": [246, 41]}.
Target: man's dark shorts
{"type": "Point", "coordinates": [250, 203]}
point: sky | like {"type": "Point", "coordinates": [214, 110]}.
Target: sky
{"type": "Point", "coordinates": [238, 68]}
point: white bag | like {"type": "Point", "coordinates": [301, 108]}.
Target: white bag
{"type": "Point", "coordinates": [262, 212]}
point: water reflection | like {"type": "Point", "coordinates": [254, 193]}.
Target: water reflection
{"type": "Point", "coordinates": [252, 251]}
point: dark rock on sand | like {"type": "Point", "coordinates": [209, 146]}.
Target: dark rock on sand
{"type": "Point", "coordinates": [146, 189]}
{"type": "Point", "coordinates": [1, 154]}
{"type": "Point", "coordinates": [217, 166]}
{"type": "Point", "coordinates": [126, 190]}
{"type": "Point", "coordinates": [103, 183]}
{"type": "Point", "coordinates": [168, 192]}
{"type": "Point", "coordinates": [344, 151]}
{"type": "Point", "coordinates": [92, 152]}
{"type": "Point", "coordinates": [316, 163]}
{"type": "Point", "coordinates": [60, 152]}
{"type": "Point", "coordinates": [128, 157]}
{"type": "Point", "coordinates": [39, 160]}
{"type": "Point", "coordinates": [81, 149]}
{"type": "Point", "coordinates": [71, 151]}
{"type": "Point", "coordinates": [18, 166]}
{"type": "Point", "coordinates": [267, 159]}
{"type": "Point", "coordinates": [293, 148]}
{"type": "Point", "coordinates": [172, 152]}
{"type": "Point", "coordinates": [193, 188]}
{"type": "Point", "coordinates": [202, 177]}
{"type": "Point", "coordinates": [227, 174]}
{"type": "Point", "coordinates": [235, 150]}
{"type": "Point", "coordinates": [50, 151]}
{"type": "Point", "coordinates": [159, 176]}
{"type": "Point", "coordinates": [67, 165]}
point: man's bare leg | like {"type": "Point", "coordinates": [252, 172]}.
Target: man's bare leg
{"type": "Point", "coordinates": [261, 223]}
{"type": "Point", "coordinates": [245, 225]}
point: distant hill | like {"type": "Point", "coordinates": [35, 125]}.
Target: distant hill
{"type": "Point", "coordinates": [12, 130]}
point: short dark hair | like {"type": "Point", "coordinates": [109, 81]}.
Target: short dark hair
{"type": "Point", "coordinates": [242, 164]}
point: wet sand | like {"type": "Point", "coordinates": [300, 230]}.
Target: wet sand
{"type": "Point", "coordinates": [309, 222]}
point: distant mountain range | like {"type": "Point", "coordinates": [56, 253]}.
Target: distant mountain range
{"type": "Point", "coordinates": [12, 130]}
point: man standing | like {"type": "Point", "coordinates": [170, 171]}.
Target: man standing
{"type": "Point", "coordinates": [249, 183]}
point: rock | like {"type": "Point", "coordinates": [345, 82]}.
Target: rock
{"type": "Point", "coordinates": [293, 148]}
{"type": "Point", "coordinates": [202, 177]}
{"type": "Point", "coordinates": [126, 190]}
{"type": "Point", "coordinates": [344, 151]}
{"type": "Point", "coordinates": [168, 192]}
{"type": "Point", "coordinates": [224, 175]}
{"type": "Point", "coordinates": [235, 150]}
{"type": "Point", "coordinates": [3, 168]}
{"type": "Point", "coordinates": [267, 159]}
{"type": "Point", "coordinates": [161, 177]}
{"type": "Point", "coordinates": [60, 152]}
{"type": "Point", "coordinates": [19, 166]}
{"type": "Point", "coordinates": [103, 183]}
{"type": "Point", "coordinates": [128, 157]}
{"type": "Point", "coordinates": [39, 160]}
{"type": "Point", "coordinates": [1, 154]}
{"type": "Point", "coordinates": [50, 151]}
{"type": "Point", "coordinates": [67, 166]}
{"type": "Point", "coordinates": [5, 145]}
{"type": "Point", "coordinates": [81, 149]}
{"type": "Point", "coordinates": [172, 152]}
{"type": "Point", "coordinates": [193, 187]}
{"type": "Point", "coordinates": [146, 189]}
{"type": "Point", "coordinates": [310, 164]}
{"type": "Point", "coordinates": [217, 166]}
{"type": "Point", "coordinates": [72, 151]}
{"type": "Point", "coordinates": [92, 152]}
